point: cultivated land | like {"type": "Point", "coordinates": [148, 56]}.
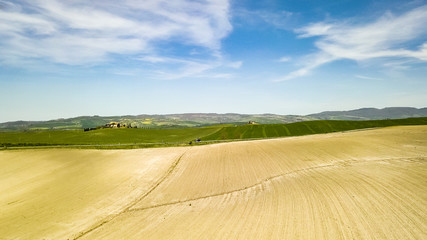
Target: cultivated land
{"type": "Point", "coordinates": [139, 138]}
{"type": "Point", "coordinates": [355, 185]}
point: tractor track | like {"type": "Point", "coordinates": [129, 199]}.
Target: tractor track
{"type": "Point", "coordinates": [344, 163]}
{"type": "Point", "coordinates": [132, 203]}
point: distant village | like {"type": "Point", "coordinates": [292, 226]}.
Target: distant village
{"type": "Point", "coordinates": [124, 125]}
{"type": "Point", "coordinates": [115, 125]}
{"type": "Point", "coordinates": [111, 125]}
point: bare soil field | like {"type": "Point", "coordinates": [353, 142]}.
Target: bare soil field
{"type": "Point", "coordinates": [368, 184]}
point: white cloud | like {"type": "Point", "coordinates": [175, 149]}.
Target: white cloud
{"type": "Point", "coordinates": [278, 19]}
{"type": "Point", "coordinates": [220, 75]}
{"type": "Point", "coordinates": [389, 37]}
{"type": "Point", "coordinates": [80, 32]}
{"type": "Point", "coordinates": [186, 70]}
{"type": "Point", "coordinates": [309, 63]}
{"type": "Point", "coordinates": [316, 29]}
{"type": "Point", "coordinates": [284, 59]}
{"type": "Point", "coordinates": [367, 78]}
{"type": "Point", "coordinates": [176, 68]}
{"type": "Point", "coordinates": [235, 65]}
{"type": "Point", "coordinates": [156, 59]}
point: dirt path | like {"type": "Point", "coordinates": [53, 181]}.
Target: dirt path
{"type": "Point", "coordinates": [132, 203]}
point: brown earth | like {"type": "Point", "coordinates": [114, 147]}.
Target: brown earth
{"type": "Point", "coordinates": [355, 185]}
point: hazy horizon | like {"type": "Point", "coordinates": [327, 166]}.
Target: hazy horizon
{"type": "Point", "coordinates": [93, 115]}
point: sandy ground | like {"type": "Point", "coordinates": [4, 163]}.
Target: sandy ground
{"type": "Point", "coordinates": [355, 185]}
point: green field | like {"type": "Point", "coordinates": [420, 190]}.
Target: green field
{"type": "Point", "coordinates": [103, 136]}
{"type": "Point", "coordinates": [151, 137]}
{"type": "Point", "coordinates": [304, 128]}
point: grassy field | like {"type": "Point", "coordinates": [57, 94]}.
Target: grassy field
{"type": "Point", "coordinates": [131, 137]}
{"type": "Point", "coordinates": [103, 136]}
{"type": "Point", "coordinates": [354, 185]}
{"type": "Point", "coordinates": [304, 128]}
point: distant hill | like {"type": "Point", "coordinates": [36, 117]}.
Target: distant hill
{"type": "Point", "coordinates": [205, 119]}
{"type": "Point", "coordinates": [372, 114]}
{"type": "Point", "coordinates": [140, 138]}
{"type": "Point", "coordinates": [152, 121]}
{"type": "Point", "coordinates": [304, 128]}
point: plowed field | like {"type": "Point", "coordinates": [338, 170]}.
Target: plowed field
{"type": "Point", "coordinates": [355, 185]}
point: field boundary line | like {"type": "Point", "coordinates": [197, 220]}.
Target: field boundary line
{"type": "Point", "coordinates": [334, 164]}
{"type": "Point", "coordinates": [134, 202]}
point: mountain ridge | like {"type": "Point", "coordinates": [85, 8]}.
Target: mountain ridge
{"type": "Point", "coordinates": [372, 113]}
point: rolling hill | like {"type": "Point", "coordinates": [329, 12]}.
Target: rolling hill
{"type": "Point", "coordinates": [372, 114]}
{"type": "Point", "coordinates": [189, 120]}
{"type": "Point", "coordinates": [152, 121]}
{"type": "Point", "coordinates": [136, 138]}
{"type": "Point", "coordinates": [355, 185]}
{"type": "Point", "coordinates": [305, 128]}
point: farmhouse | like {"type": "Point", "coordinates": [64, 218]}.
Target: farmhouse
{"type": "Point", "coordinates": [115, 125]}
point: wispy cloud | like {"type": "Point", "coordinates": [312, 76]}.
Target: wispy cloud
{"type": "Point", "coordinates": [175, 68]}
{"type": "Point", "coordinates": [88, 32]}
{"type": "Point", "coordinates": [235, 65]}
{"type": "Point", "coordinates": [367, 78]}
{"type": "Point", "coordinates": [284, 59]}
{"type": "Point", "coordinates": [278, 19]}
{"type": "Point", "coordinates": [309, 63]}
{"type": "Point", "coordinates": [389, 37]}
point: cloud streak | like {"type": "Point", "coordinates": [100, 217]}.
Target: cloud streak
{"type": "Point", "coordinates": [389, 37]}
{"type": "Point", "coordinates": [88, 32]}
{"type": "Point", "coordinates": [367, 78]}
{"type": "Point", "coordinates": [278, 19]}
{"type": "Point", "coordinates": [284, 59]}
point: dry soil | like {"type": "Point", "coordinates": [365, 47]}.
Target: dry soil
{"type": "Point", "coordinates": [355, 185]}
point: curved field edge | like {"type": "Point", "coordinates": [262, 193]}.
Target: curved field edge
{"type": "Point", "coordinates": [304, 128]}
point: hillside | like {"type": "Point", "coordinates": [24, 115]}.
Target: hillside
{"type": "Point", "coordinates": [305, 128]}
{"type": "Point", "coordinates": [354, 185]}
{"type": "Point", "coordinates": [136, 137]}
{"type": "Point", "coordinates": [152, 121]}
{"type": "Point", "coordinates": [372, 114]}
{"type": "Point", "coordinates": [188, 120]}
{"type": "Point", "coordinates": [104, 137]}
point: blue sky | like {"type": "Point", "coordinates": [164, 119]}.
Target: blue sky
{"type": "Point", "coordinates": [73, 58]}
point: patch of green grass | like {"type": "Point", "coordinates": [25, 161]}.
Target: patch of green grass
{"type": "Point", "coordinates": [304, 128]}
{"type": "Point", "coordinates": [219, 126]}
{"type": "Point", "coordinates": [103, 136]}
